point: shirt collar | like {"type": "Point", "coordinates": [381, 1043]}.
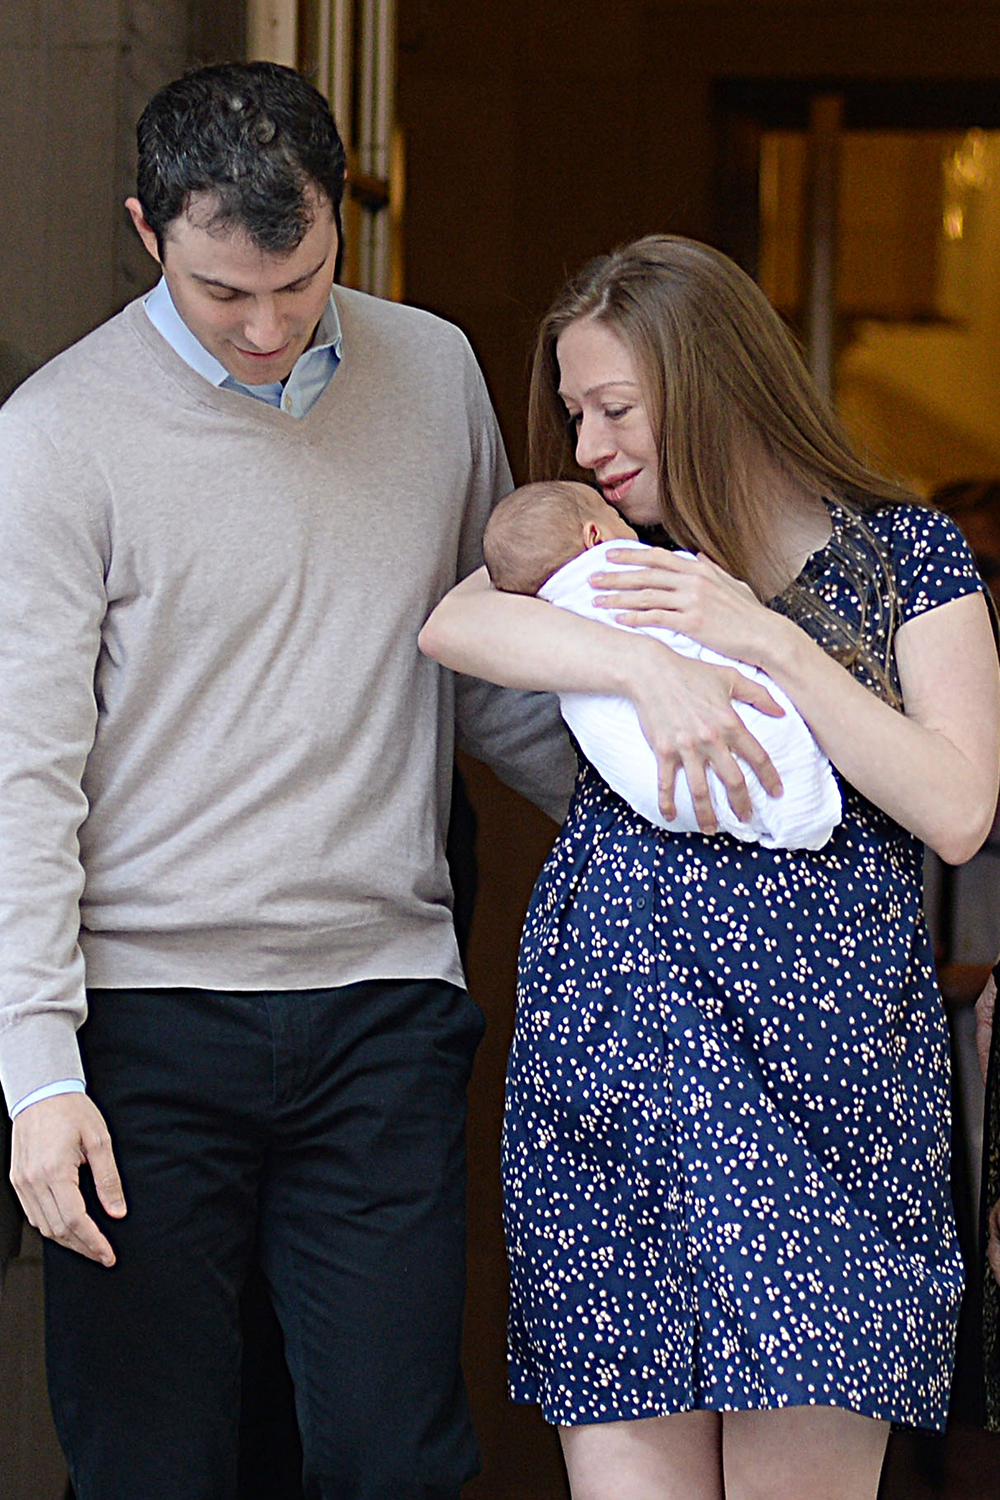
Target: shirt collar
{"type": "Point", "coordinates": [309, 376]}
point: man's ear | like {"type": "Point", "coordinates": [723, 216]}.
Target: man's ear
{"type": "Point", "coordinates": [592, 535]}
{"type": "Point", "coordinates": [142, 229]}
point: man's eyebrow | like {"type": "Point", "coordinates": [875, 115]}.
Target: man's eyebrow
{"type": "Point", "coordinates": [226, 286]}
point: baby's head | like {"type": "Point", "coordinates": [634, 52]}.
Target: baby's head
{"type": "Point", "coordinates": [539, 527]}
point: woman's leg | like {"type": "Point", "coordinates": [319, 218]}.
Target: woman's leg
{"type": "Point", "coordinates": [802, 1453]}
{"type": "Point", "coordinates": [655, 1458]}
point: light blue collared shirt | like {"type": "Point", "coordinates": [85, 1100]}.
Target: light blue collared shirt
{"type": "Point", "coordinates": [311, 373]}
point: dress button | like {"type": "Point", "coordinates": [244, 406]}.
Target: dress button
{"type": "Point", "coordinates": [640, 903]}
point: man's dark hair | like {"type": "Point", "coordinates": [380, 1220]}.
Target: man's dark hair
{"type": "Point", "coordinates": [256, 136]}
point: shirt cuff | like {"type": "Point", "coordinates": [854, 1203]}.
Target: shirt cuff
{"type": "Point", "coordinates": [61, 1086]}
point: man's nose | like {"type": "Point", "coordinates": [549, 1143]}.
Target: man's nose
{"type": "Point", "coordinates": [263, 327]}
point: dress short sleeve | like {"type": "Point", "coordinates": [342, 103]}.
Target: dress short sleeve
{"type": "Point", "coordinates": [931, 558]}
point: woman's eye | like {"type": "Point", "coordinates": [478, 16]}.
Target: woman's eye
{"type": "Point", "coordinates": [615, 413]}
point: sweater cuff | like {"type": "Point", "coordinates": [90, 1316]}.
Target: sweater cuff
{"type": "Point", "coordinates": [38, 1050]}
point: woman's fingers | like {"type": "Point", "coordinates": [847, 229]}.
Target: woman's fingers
{"type": "Point", "coordinates": [746, 690]}
{"type": "Point", "coordinates": [729, 772]}
{"type": "Point", "coordinates": [692, 757]}
{"type": "Point", "coordinates": [701, 796]}
{"type": "Point", "coordinates": [984, 1025]}
{"type": "Point", "coordinates": [688, 755]}
{"type": "Point", "coordinates": [646, 598]}
{"type": "Point", "coordinates": [993, 1244]}
{"type": "Point", "coordinates": [668, 766]}
{"type": "Point", "coordinates": [691, 725]}
{"type": "Point", "coordinates": [655, 560]}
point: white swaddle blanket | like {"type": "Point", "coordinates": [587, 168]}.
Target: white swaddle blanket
{"type": "Point", "coordinates": [608, 732]}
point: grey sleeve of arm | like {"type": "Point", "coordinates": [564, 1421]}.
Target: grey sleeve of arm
{"type": "Point", "coordinates": [52, 603]}
{"type": "Point", "coordinates": [522, 737]}
{"type": "Point", "coordinates": [519, 735]}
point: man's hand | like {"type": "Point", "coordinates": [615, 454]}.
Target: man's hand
{"type": "Point", "coordinates": [51, 1141]}
{"type": "Point", "coordinates": [984, 1024]}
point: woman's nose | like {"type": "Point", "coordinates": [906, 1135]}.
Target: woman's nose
{"type": "Point", "coordinates": [592, 443]}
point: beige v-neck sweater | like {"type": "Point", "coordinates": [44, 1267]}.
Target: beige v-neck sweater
{"type": "Point", "coordinates": [223, 761]}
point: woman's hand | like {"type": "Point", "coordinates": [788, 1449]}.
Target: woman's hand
{"type": "Point", "coordinates": [932, 767]}
{"type": "Point", "coordinates": [984, 1025]}
{"type": "Point", "coordinates": [685, 708]}
{"type": "Point", "coordinates": [984, 1037]}
{"type": "Point", "coordinates": [993, 1243]}
{"type": "Point", "coordinates": [691, 595]}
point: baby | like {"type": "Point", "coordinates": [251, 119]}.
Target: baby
{"type": "Point", "coordinates": [547, 539]}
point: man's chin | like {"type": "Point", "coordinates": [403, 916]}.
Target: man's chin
{"type": "Point", "coordinates": [249, 371]}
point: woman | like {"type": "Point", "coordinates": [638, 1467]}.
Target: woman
{"type": "Point", "coordinates": [732, 1251]}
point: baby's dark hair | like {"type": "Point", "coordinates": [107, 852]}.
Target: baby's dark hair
{"type": "Point", "coordinates": [532, 532]}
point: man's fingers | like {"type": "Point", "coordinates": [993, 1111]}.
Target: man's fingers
{"type": "Point", "coordinates": [105, 1174]}
{"type": "Point", "coordinates": [52, 1139]}
{"type": "Point", "coordinates": [70, 1224]}
{"type": "Point", "coordinates": [57, 1210]}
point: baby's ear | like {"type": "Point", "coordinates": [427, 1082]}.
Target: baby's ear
{"type": "Point", "coordinates": [592, 534]}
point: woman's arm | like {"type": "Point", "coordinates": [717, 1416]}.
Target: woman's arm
{"type": "Point", "coordinates": [684, 707]}
{"type": "Point", "coordinates": [934, 768]}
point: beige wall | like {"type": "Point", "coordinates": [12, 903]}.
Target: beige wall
{"type": "Point", "coordinates": [74, 78]}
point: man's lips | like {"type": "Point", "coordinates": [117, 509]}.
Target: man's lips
{"type": "Point", "coordinates": [617, 486]}
{"type": "Point", "coordinates": [258, 354]}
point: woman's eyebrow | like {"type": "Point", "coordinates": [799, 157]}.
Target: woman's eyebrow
{"type": "Point", "coordinates": [605, 385]}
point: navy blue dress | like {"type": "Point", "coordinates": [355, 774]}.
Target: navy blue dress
{"type": "Point", "coordinates": [726, 1137]}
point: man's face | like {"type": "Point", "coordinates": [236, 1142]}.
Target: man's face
{"type": "Point", "coordinates": [256, 311]}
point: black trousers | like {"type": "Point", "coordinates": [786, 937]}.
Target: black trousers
{"type": "Point", "coordinates": [323, 1130]}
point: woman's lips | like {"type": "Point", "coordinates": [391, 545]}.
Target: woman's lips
{"type": "Point", "coordinates": [617, 486]}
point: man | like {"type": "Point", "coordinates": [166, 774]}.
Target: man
{"type": "Point", "coordinates": [225, 515]}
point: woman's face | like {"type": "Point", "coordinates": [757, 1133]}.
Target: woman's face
{"type": "Point", "coordinates": [599, 386]}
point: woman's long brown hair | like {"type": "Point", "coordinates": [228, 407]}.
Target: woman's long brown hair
{"type": "Point", "coordinates": [729, 399]}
